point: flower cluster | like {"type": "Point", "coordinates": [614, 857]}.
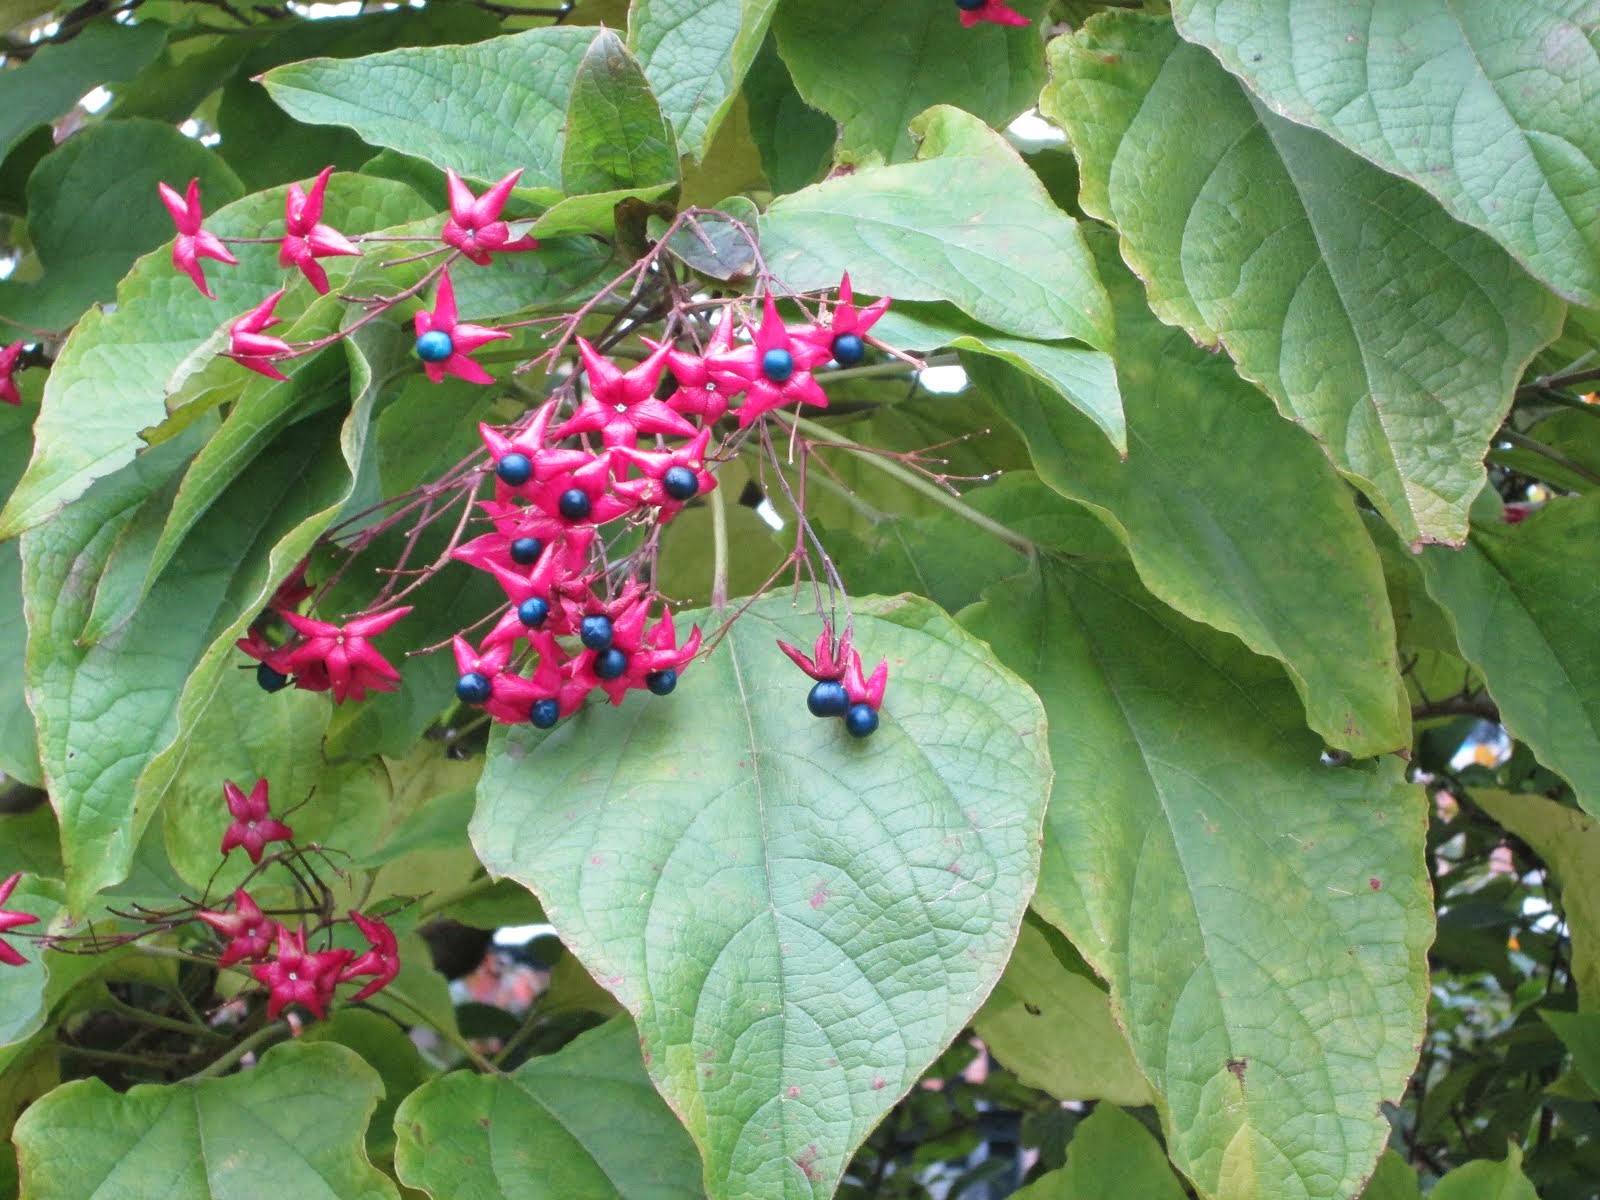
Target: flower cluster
{"type": "Point", "coordinates": [841, 688]}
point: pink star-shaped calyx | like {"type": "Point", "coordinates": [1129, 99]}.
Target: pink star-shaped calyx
{"type": "Point", "coordinates": [12, 920]}
{"type": "Point", "coordinates": [249, 347]}
{"type": "Point", "coordinates": [8, 372]}
{"type": "Point", "coordinates": [253, 824]}
{"type": "Point", "coordinates": [450, 357]}
{"type": "Point", "coordinates": [622, 406]}
{"type": "Point", "coordinates": [305, 238]}
{"type": "Point", "coordinates": [776, 366]}
{"type": "Point", "coordinates": [654, 487]}
{"type": "Point", "coordinates": [828, 659]}
{"type": "Point", "coordinates": [249, 931]}
{"type": "Point", "coordinates": [298, 977]}
{"type": "Point", "coordinates": [847, 320]}
{"type": "Point", "coordinates": [381, 961]}
{"type": "Point", "coordinates": [702, 392]}
{"type": "Point", "coordinates": [865, 691]}
{"type": "Point", "coordinates": [994, 12]}
{"type": "Point", "coordinates": [352, 663]}
{"type": "Point", "coordinates": [593, 479]}
{"type": "Point", "coordinates": [193, 242]}
{"type": "Point", "coordinates": [475, 227]}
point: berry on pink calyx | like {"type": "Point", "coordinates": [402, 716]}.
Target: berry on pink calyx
{"type": "Point", "coordinates": [575, 504]}
{"type": "Point", "coordinates": [610, 663]}
{"type": "Point", "coordinates": [474, 688]}
{"type": "Point", "coordinates": [514, 470]}
{"type": "Point", "coordinates": [777, 365]}
{"type": "Point", "coordinates": [680, 483]}
{"type": "Point", "coordinates": [270, 680]}
{"type": "Point", "coordinates": [861, 720]}
{"type": "Point", "coordinates": [971, 5]}
{"type": "Point", "coordinates": [661, 683]}
{"type": "Point", "coordinates": [532, 612]}
{"type": "Point", "coordinates": [525, 551]}
{"type": "Point", "coordinates": [827, 699]}
{"type": "Point", "coordinates": [595, 632]}
{"type": "Point", "coordinates": [545, 713]}
{"type": "Point", "coordinates": [848, 349]}
{"type": "Point", "coordinates": [435, 346]}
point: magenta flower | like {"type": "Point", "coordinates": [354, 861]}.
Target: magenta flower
{"type": "Point", "coordinates": [249, 347]}
{"type": "Point", "coordinates": [382, 961]}
{"type": "Point", "coordinates": [443, 342]}
{"type": "Point", "coordinates": [670, 479]}
{"type": "Point", "coordinates": [992, 11]}
{"type": "Point", "coordinates": [296, 977]}
{"type": "Point", "coordinates": [248, 930]}
{"type": "Point", "coordinates": [776, 367]}
{"type": "Point", "coordinates": [352, 664]}
{"type": "Point", "coordinates": [8, 371]}
{"type": "Point", "coordinates": [865, 691]}
{"type": "Point", "coordinates": [12, 920]}
{"type": "Point", "coordinates": [622, 406]}
{"type": "Point", "coordinates": [843, 337]}
{"type": "Point", "coordinates": [193, 243]}
{"type": "Point", "coordinates": [305, 238]}
{"type": "Point", "coordinates": [475, 227]}
{"type": "Point", "coordinates": [253, 825]}
{"type": "Point", "coordinates": [828, 659]}
{"type": "Point", "coordinates": [702, 392]}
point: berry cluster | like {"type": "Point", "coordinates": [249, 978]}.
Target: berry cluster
{"type": "Point", "coordinates": [841, 689]}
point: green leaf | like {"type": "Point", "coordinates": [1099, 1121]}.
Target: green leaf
{"type": "Point", "coordinates": [1485, 1180]}
{"type": "Point", "coordinates": [967, 223]}
{"type": "Point", "coordinates": [795, 140]}
{"type": "Point", "coordinates": [388, 1051]}
{"type": "Point", "coordinates": [19, 745]}
{"type": "Point", "coordinates": [1111, 1156]}
{"type": "Point", "coordinates": [1262, 919]}
{"type": "Point", "coordinates": [1084, 378]}
{"type": "Point", "coordinates": [58, 75]}
{"type": "Point", "coordinates": [696, 53]}
{"type": "Point", "coordinates": [799, 921]}
{"type": "Point", "coordinates": [1391, 333]}
{"type": "Point", "coordinates": [581, 1123]}
{"type": "Point", "coordinates": [1569, 841]}
{"type": "Point", "coordinates": [1049, 1023]}
{"type": "Point", "coordinates": [875, 64]}
{"type": "Point", "coordinates": [1487, 108]}
{"type": "Point", "coordinates": [1521, 602]}
{"type": "Point", "coordinates": [1580, 1033]}
{"type": "Point", "coordinates": [296, 1119]}
{"type": "Point", "coordinates": [88, 234]}
{"type": "Point", "coordinates": [1393, 1180]}
{"type": "Point", "coordinates": [1275, 554]}
{"type": "Point", "coordinates": [616, 138]}
{"type": "Point", "coordinates": [22, 988]}
{"type": "Point", "coordinates": [483, 110]}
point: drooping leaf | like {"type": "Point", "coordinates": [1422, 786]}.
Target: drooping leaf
{"type": "Point", "coordinates": [837, 908]}
{"type": "Point", "coordinates": [795, 141]}
{"type": "Point", "coordinates": [874, 65]}
{"type": "Point", "coordinates": [1389, 331]}
{"type": "Point", "coordinates": [1522, 603]}
{"type": "Point", "coordinates": [967, 223]}
{"type": "Point", "coordinates": [296, 1119]}
{"type": "Point", "coordinates": [616, 138]}
{"type": "Point", "coordinates": [19, 746]}
{"type": "Point", "coordinates": [696, 53]}
{"type": "Point", "coordinates": [1262, 919]}
{"type": "Point", "coordinates": [583, 1122]}
{"type": "Point", "coordinates": [1049, 1023]}
{"type": "Point", "coordinates": [1484, 105]}
{"type": "Point", "coordinates": [1111, 1156]}
{"type": "Point", "coordinates": [1275, 554]}
{"type": "Point", "coordinates": [1486, 1180]}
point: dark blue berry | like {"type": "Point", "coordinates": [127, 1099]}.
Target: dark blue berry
{"type": "Point", "coordinates": [514, 470]}
{"type": "Point", "coordinates": [848, 349]}
{"type": "Point", "coordinates": [827, 699]}
{"type": "Point", "coordinates": [532, 612]}
{"type": "Point", "coordinates": [474, 688]}
{"type": "Point", "coordinates": [610, 664]}
{"type": "Point", "coordinates": [680, 483]}
{"type": "Point", "coordinates": [270, 680]}
{"type": "Point", "coordinates": [971, 5]}
{"type": "Point", "coordinates": [574, 504]}
{"type": "Point", "coordinates": [595, 632]}
{"type": "Point", "coordinates": [861, 720]}
{"type": "Point", "coordinates": [525, 551]}
{"type": "Point", "coordinates": [777, 365]}
{"type": "Point", "coordinates": [545, 713]}
{"type": "Point", "coordinates": [435, 346]}
{"type": "Point", "coordinates": [661, 683]}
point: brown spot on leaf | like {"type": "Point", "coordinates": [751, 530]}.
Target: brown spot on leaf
{"type": "Point", "coordinates": [806, 1160]}
{"type": "Point", "coordinates": [1237, 1067]}
{"type": "Point", "coordinates": [1033, 1010]}
{"type": "Point", "coordinates": [1375, 884]}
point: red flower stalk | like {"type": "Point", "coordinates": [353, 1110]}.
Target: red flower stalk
{"type": "Point", "coordinates": [193, 243]}
{"type": "Point", "coordinates": [622, 406]}
{"type": "Point", "coordinates": [352, 664]}
{"type": "Point", "coordinates": [305, 238]}
{"type": "Point", "coordinates": [248, 930]}
{"type": "Point", "coordinates": [461, 339]}
{"type": "Point", "coordinates": [12, 920]}
{"type": "Point", "coordinates": [382, 961]}
{"type": "Point", "coordinates": [296, 977]}
{"type": "Point", "coordinates": [475, 227]}
{"type": "Point", "coordinates": [251, 348]}
{"type": "Point", "coordinates": [253, 825]}
{"type": "Point", "coordinates": [994, 12]}
{"type": "Point", "coordinates": [8, 371]}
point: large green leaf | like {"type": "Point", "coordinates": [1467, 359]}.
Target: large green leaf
{"type": "Point", "coordinates": [799, 921]}
{"type": "Point", "coordinates": [875, 64]}
{"type": "Point", "coordinates": [483, 110]}
{"type": "Point", "coordinates": [1274, 553]}
{"type": "Point", "coordinates": [696, 53]}
{"type": "Point", "coordinates": [1388, 330]}
{"type": "Point", "coordinates": [1488, 106]}
{"type": "Point", "coordinates": [581, 1123]}
{"type": "Point", "coordinates": [295, 1119]}
{"type": "Point", "coordinates": [616, 138]}
{"type": "Point", "coordinates": [111, 379]}
{"type": "Point", "coordinates": [1262, 918]}
{"type": "Point", "coordinates": [1111, 1157]}
{"type": "Point", "coordinates": [967, 223]}
{"type": "Point", "coordinates": [1521, 598]}
{"type": "Point", "coordinates": [19, 747]}
{"type": "Point", "coordinates": [1392, 1180]}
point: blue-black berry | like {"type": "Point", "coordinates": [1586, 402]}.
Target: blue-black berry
{"type": "Point", "coordinates": [661, 683]}
{"type": "Point", "coordinates": [827, 699]}
{"type": "Point", "coordinates": [971, 5]}
{"type": "Point", "coordinates": [514, 470]}
{"type": "Point", "coordinates": [532, 612]}
{"type": "Point", "coordinates": [269, 679]}
{"type": "Point", "coordinates": [435, 346]}
{"type": "Point", "coordinates": [474, 688]}
{"type": "Point", "coordinates": [575, 504]}
{"type": "Point", "coordinates": [848, 349]}
{"type": "Point", "coordinates": [525, 551]}
{"type": "Point", "coordinates": [610, 664]}
{"type": "Point", "coordinates": [595, 632]}
{"type": "Point", "coordinates": [680, 483]}
{"type": "Point", "coordinates": [777, 365]}
{"type": "Point", "coordinates": [861, 720]}
{"type": "Point", "coordinates": [545, 713]}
